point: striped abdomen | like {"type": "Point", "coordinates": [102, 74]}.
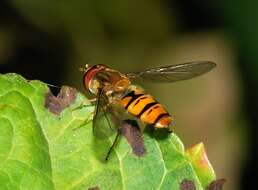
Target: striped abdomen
{"type": "Point", "coordinates": [147, 109]}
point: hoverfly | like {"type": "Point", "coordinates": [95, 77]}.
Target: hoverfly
{"type": "Point", "coordinates": [116, 96]}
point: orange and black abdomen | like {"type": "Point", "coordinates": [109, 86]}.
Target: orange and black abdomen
{"type": "Point", "coordinates": [147, 109]}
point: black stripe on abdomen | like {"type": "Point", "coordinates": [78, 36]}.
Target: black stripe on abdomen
{"type": "Point", "coordinates": [133, 97]}
{"type": "Point", "coordinates": [159, 117]}
{"type": "Point", "coordinates": [146, 108]}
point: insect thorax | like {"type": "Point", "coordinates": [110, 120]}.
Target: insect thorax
{"type": "Point", "coordinates": [110, 80]}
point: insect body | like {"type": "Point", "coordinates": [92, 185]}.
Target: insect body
{"type": "Point", "coordinates": [147, 109]}
{"type": "Point", "coordinates": [117, 98]}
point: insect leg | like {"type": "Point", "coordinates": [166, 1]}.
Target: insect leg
{"type": "Point", "coordinates": [171, 126]}
{"type": "Point", "coordinates": [114, 144]}
{"type": "Point", "coordinates": [92, 100]}
{"type": "Point", "coordinates": [82, 105]}
{"type": "Point", "coordinates": [170, 130]}
{"type": "Point", "coordinates": [88, 120]}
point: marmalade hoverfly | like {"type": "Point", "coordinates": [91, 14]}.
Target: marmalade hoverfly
{"type": "Point", "coordinates": [117, 98]}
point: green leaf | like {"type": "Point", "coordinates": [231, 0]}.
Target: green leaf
{"type": "Point", "coordinates": [39, 148]}
{"type": "Point", "coordinates": [198, 157]}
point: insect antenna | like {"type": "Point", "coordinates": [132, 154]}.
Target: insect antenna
{"type": "Point", "coordinates": [85, 67]}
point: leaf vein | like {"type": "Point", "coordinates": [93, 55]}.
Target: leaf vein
{"type": "Point", "coordinates": [164, 164]}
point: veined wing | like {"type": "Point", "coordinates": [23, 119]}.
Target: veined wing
{"type": "Point", "coordinates": [106, 120]}
{"type": "Point", "coordinates": [173, 73]}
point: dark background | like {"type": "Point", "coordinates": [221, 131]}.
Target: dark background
{"type": "Point", "coordinates": [50, 40]}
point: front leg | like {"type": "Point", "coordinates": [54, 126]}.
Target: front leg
{"type": "Point", "coordinates": [85, 104]}
{"type": "Point", "coordinates": [90, 115]}
{"type": "Point", "coordinates": [93, 100]}
{"type": "Point", "coordinates": [87, 121]}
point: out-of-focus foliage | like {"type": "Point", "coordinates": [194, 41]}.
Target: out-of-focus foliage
{"type": "Point", "coordinates": [94, 19]}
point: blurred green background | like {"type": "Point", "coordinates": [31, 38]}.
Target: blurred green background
{"type": "Point", "coordinates": [50, 40]}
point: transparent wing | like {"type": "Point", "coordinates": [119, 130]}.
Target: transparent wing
{"type": "Point", "coordinates": [173, 73]}
{"type": "Point", "coordinates": [106, 120]}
